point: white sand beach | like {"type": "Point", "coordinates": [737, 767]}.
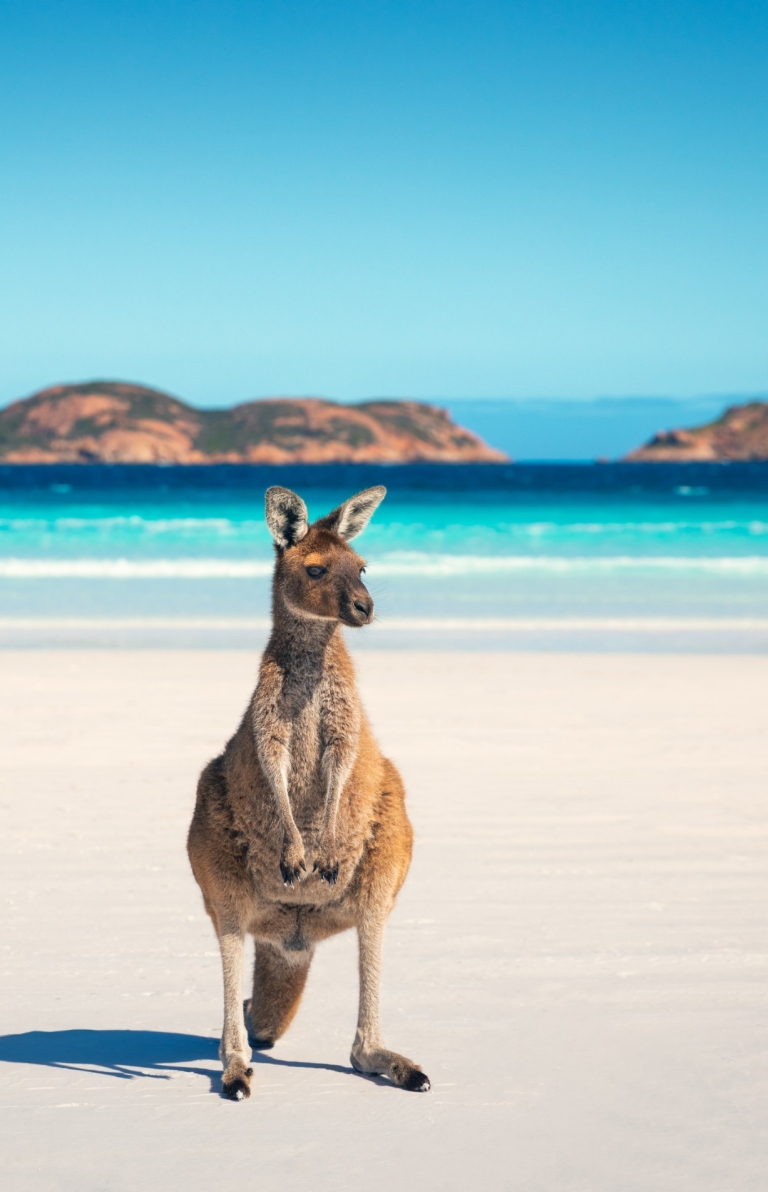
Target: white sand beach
{"type": "Point", "coordinates": [579, 958]}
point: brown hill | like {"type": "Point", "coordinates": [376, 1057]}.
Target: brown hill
{"type": "Point", "coordinates": [113, 422]}
{"type": "Point", "coordinates": [741, 432]}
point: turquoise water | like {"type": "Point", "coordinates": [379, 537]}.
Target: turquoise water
{"type": "Point", "coordinates": [475, 543]}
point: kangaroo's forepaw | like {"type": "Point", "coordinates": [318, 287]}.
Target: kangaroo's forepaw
{"type": "Point", "coordinates": [326, 857]}
{"type": "Point", "coordinates": [290, 873]}
{"type": "Point", "coordinates": [236, 1084]}
{"type": "Point", "coordinates": [292, 863]}
{"type": "Point", "coordinates": [328, 871]}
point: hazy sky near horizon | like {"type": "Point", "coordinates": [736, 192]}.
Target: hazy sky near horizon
{"type": "Point", "coordinates": [231, 199]}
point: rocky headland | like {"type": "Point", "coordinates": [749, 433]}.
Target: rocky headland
{"type": "Point", "coordinates": [116, 422]}
{"type": "Point", "coordinates": [740, 433]}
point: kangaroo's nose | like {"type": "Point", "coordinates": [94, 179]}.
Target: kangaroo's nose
{"type": "Point", "coordinates": [364, 607]}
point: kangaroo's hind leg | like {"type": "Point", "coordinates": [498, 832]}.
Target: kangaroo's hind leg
{"type": "Point", "coordinates": [234, 1050]}
{"type": "Point", "coordinates": [368, 1052]}
{"type": "Point", "coordinates": [381, 874]}
{"type": "Point", "coordinates": [279, 978]}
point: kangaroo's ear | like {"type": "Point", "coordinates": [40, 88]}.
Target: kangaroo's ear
{"type": "Point", "coordinates": [353, 516]}
{"type": "Point", "coordinates": [286, 516]}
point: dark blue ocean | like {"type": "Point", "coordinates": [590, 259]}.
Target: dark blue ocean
{"type": "Point", "coordinates": [467, 550]}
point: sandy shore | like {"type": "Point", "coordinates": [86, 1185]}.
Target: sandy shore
{"type": "Point", "coordinates": [579, 958]}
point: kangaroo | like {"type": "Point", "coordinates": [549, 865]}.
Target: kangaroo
{"type": "Point", "coordinates": [300, 829]}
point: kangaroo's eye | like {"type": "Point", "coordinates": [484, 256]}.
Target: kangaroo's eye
{"type": "Point", "coordinates": [316, 572]}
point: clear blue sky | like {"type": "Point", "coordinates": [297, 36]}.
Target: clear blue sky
{"type": "Point", "coordinates": [231, 199]}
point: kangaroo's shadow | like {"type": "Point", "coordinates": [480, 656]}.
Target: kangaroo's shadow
{"type": "Point", "coordinates": [130, 1055]}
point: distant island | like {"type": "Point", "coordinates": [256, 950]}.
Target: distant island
{"type": "Point", "coordinates": [740, 433]}
{"type": "Point", "coordinates": [116, 422]}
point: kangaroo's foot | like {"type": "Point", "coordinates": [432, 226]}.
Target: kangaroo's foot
{"type": "Point", "coordinates": [236, 1083]}
{"type": "Point", "coordinates": [292, 861]}
{"type": "Point", "coordinates": [401, 1071]}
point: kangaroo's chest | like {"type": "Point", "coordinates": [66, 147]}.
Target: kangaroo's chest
{"type": "Point", "coordinates": [306, 744]}
{"type": "Point", "coordinates": [306, 787]}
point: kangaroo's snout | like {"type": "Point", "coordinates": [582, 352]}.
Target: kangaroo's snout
{"type": "Point", "coordinates": [361, 611]}
{"type": "Point", "coordinates": [355, 603]}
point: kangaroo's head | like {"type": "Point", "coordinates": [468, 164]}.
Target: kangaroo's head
{"type": "Point", "coordinates": [318, 573]}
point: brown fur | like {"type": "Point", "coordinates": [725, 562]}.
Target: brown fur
{"type": "Point", "coordinates": [300, 829]}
